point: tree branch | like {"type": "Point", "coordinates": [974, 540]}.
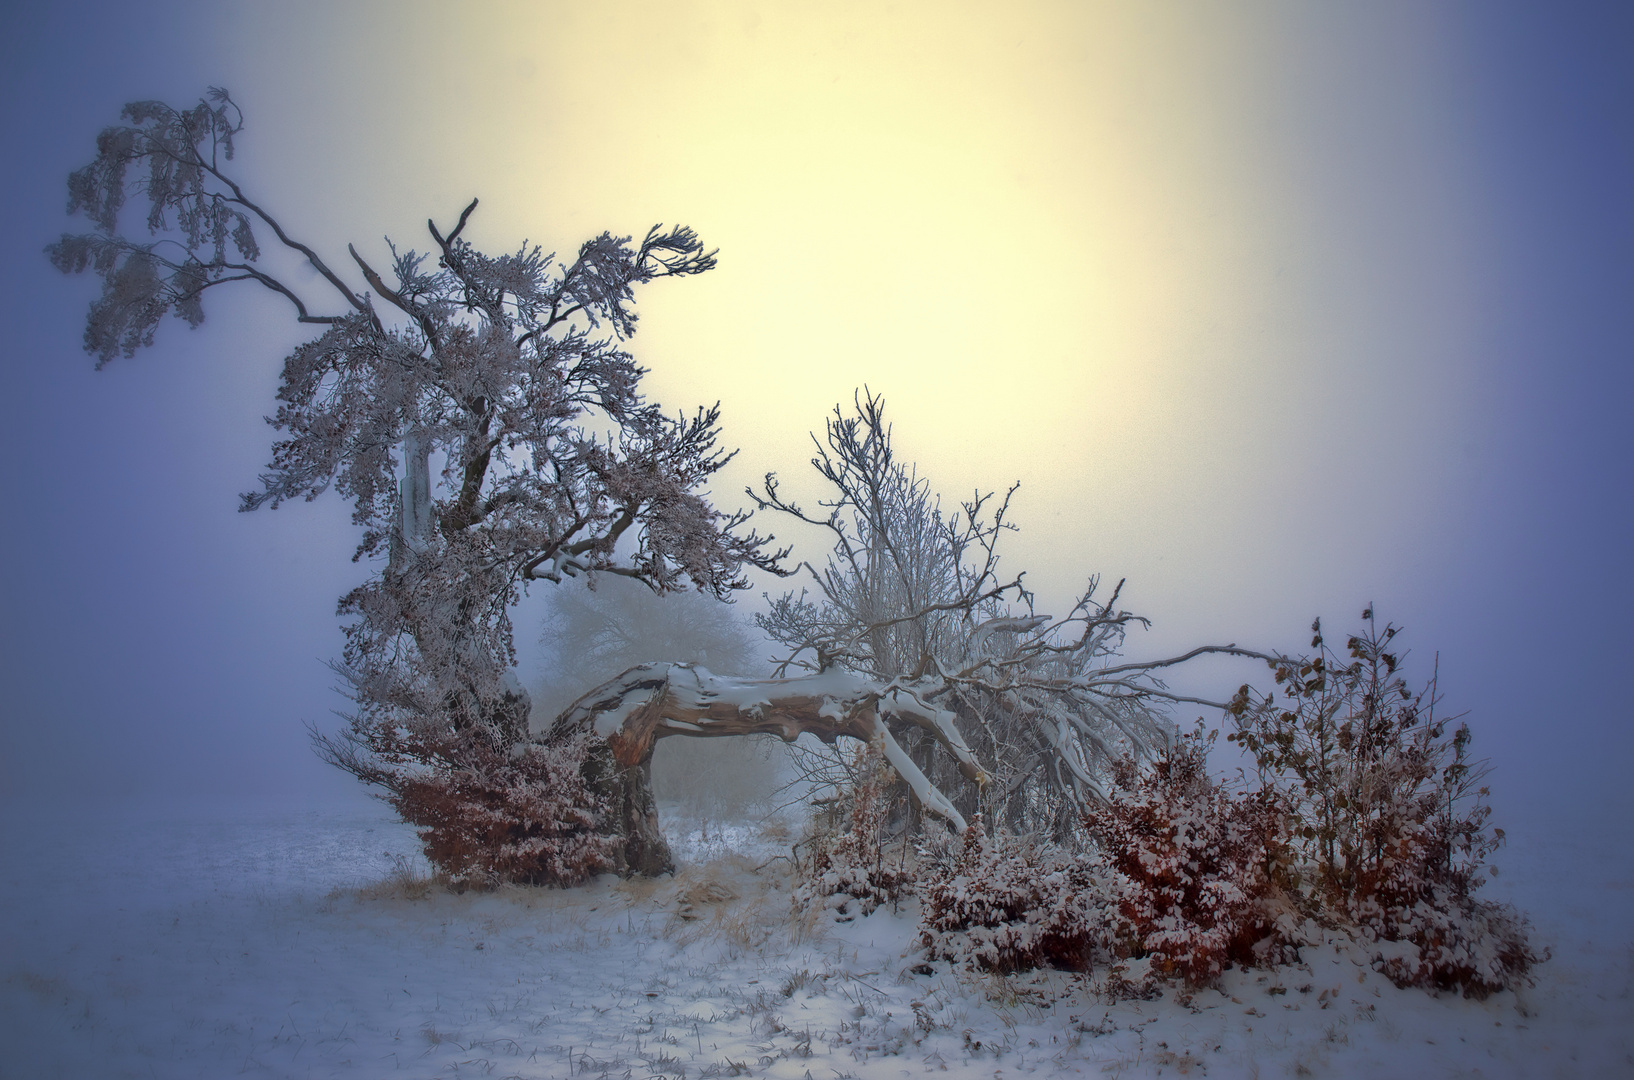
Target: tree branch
{"type": "Point", "coordinates": [278, 230]}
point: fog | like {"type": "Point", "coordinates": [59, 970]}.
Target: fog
{"type": "Point", "coordinates": [1273, 312]}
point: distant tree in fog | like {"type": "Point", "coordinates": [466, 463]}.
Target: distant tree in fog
{"type": "Point", "coordinates": [590, 637]}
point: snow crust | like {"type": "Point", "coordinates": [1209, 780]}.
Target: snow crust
{"type": "Point", "coordinates": [273, 945]}
{"type": "Point", "coordinates": [612, 721]}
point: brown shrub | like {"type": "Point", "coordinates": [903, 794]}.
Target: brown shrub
{"type": "Point", "coordinates": [527, 817]}
{"type": "Point", "coordinates": [1189, 861]}
{"type": "Point", "coordinates": [1007, 904]}
{"type": "Point", "coordinates": [1387, 814]}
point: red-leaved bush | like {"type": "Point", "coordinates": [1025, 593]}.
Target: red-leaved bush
{"type": "Point", "coordinates": [525, 817]}
{"type": "Point", "coordinates": [1368, 818]}
{"type": "Point", "coordinates": [1426, 927]}
{"type": "Point", "coordinates": [1189, 862]}
{"type": "Point", "coordinates": [1007, 904]}
{"type": "Point", "coordinates": [1387, 819]}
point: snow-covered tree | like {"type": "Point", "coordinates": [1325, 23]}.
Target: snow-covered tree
{"type": "Point", "coordinates": [507, 374]}
{"type": "Point", "coordinates": [914, 640]}
{"type": "Point", "coordinates": [913, 590]}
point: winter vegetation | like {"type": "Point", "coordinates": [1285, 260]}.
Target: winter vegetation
{"type": "Point", "coordinates": [1383, 817]}
{"type": "Point", "coordinates": [1364, 820]}
{"type": "Point", "coordinates": [1007, 790]}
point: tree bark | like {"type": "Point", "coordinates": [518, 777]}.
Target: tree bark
{"type": "Point", "coordinates": [642, 851]}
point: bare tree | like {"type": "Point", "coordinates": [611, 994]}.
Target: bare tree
{"type": "Point", "coordinates": [914, 638]}
{"type": "Point", "coordinates": [505, 373]}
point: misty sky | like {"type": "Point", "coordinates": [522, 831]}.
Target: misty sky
{"type": "Point", "coordinates": [1273, 309]}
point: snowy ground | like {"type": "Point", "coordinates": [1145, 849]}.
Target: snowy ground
{"type": "Point", "coordinates": [277, 945]}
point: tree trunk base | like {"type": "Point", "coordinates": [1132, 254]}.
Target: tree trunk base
{"type": "Point", "coordinates": [641, 849]}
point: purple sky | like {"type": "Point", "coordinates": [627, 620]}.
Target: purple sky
{"type": "Point", "coordinates": [157, 644]}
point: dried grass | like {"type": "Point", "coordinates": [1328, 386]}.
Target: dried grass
{"type": "Point", "coordinates": [408, 879]}
{"type": "Point", "coordinates": [723, 901]}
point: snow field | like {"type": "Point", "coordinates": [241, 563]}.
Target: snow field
{"type": "Point", "coordinates": [309, 946]}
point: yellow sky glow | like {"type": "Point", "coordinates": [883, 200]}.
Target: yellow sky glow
{"type": "Point", "coordinates": [1075, 245]}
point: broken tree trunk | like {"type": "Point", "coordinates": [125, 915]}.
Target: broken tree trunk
{"type": "Point", "coordinates": [630, 713]}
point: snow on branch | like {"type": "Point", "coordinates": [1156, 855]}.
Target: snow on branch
{"type": "Point", "coordinates": [912, 595]}
{"type": "Point", "coordinates": [652, 701]}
